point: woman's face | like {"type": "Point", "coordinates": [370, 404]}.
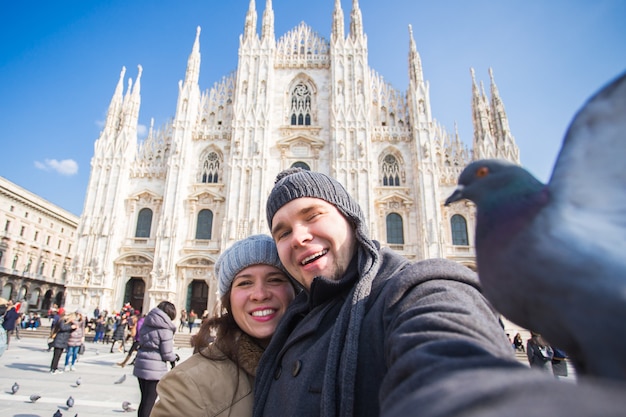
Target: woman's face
{"type": "Point", "coordinates": [259, 297]}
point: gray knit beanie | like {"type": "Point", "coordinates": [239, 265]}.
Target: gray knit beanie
{"type": "Point", "coordinates": [253, 250]}
{"type": "Point", "coordinates": [295, 183]}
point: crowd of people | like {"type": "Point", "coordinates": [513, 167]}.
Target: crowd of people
{"type": "Point", "coordinates": [318, 319]}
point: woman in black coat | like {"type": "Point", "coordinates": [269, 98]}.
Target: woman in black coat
{"type": "Point", "coordinates": [61, 335]}
{"type": "Point", "coordinates": [119, 333]}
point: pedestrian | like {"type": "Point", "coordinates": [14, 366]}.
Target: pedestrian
{"type": "Point", "coordinates": [192, 319]}
{"type": "Point", "coordinates": [136, 344]}
{"type": "Point", "coordinates": [518, 342]}
{"type": "Point", "coordinates": [539, 353]}
{"type": "Point", "coordinates": [374, 334]}
{"type": "Point", "coordinates": [100, 328]}
{"type": "Point", "coordinates": [157, 348]}
{"type": "Point", "coordinates": [132, 326]}
{"type": "Point", "coordinates": [10, 322]}
{"type": "Point", "coordinates": [250, 279]}
{"type": "Point", "coordinates": [76, 339]}
{"type": "Point", "coordinates": [183, 320]}
{"type": "Point", "coordinates": [60, 336]}
{"type": "Point", "coordinates": [109, 327]}
{"type": "Point", "coordinates": [119, 333]}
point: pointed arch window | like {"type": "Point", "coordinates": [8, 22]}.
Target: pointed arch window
{"type": "Point", "coordinates": [301, 105]}
{"type": "Point", "coordinates": [211, 168]}
{"type": "Point", "coordinates": [144, 223]}
{"type": "Point", "coordinates": [204, 224]}
{"type": "Point", "coordinates": [395, 232]}
{"type": "Point", "coordinates": [459, 230]}
{"type": "Point", "coordinates": [302, 165]}
{"type": "Point", "coordinates": [390, 171]}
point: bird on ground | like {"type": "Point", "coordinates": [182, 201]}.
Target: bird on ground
{"type": "Point", "coordinates": [58, 413]}
{"type": "Point", "coordinates": [79, 381]}
{"type": "Point", "coordinates": [15, 388]}
{"type": "Point", "coordinates": [34, 397]}
{"type": "Point", "coordinates": [126, 407]}
{"type": "Point", "coordinates": [70, 402]}
{"type": "Point", "coordinates": [550, 256]}
{"type": "Point", "coordinates": [121, 380]}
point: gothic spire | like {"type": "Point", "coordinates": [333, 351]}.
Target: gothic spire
{"type": "Point", "coordinates": [338, 31]}
{"type": "Point", "coordinates": [116, 103]}
{"type": "Point", "coordinates": [135, 99]}
{"type": "Point", "coordinates": [192, 75]}
{"type": "Point", "coordinates": [416, 74]}
{"type": "Point", "coordinates": [483, 140]}
{"type": "Point", "coordinates": [249, 29]}
{"type": "Point", "coordinates": [356, 21]}
{"type": "Point", "coordinates": [267, 30]}
{"type": "Point", "coordinates": [500, 119]}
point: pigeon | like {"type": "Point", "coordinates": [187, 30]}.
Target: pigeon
{"type": "Point", "coordinates": [79, 381]}
{"type": "Point", "coordinates": [70, 402]}
{"type": "Point", "coordinates": [126, 407]}
{"type": "Point", "coordinates": [550, 256]}
{"type": "Point", "coordinates": [15, 388]}
{"type": "Point", "coordinates": [122, 379]}
{"type": "Point", "coordinates": [58, 413]}
{"type": "Point", "coordinates": [34, 397]}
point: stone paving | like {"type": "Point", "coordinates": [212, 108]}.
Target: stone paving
{"type": "Point", "coordinates": [27, 362]}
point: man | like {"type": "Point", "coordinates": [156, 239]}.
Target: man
{"type": "Point", "coordinates": [11, 322]}
{"type": "Point", "coordinates": [373, 334]}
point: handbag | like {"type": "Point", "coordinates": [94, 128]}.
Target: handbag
{"type": "Point", "coordinates": [81, 349]}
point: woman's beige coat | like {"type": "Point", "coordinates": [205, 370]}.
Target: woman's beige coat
{"type": "Point", "coordinates": [203, 387]}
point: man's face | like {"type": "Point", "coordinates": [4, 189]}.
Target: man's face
{"type": "Point", "coordinates": [313, 239]}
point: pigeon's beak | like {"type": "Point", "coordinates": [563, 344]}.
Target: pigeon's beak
{"type": "Point", "coordinates": [456, 196]}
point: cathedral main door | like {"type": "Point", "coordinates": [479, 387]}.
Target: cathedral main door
{"type": "Point", "coordinates": [197, 296]}
{"type": "Point", "coordinates": [135, 289]}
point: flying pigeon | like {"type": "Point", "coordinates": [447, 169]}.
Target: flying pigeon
{"type": "Point", "coordinates": [551, 256]}
{"type": "Point", "coordinates": [15, 388]}
{"type": "Point", "coordinates": [70, 402]}
{"type": "Point", "coordinates": [126, 407]}
{"type": "Point", "coordinates": [79, 381]}
{"type": "Point", "coordinates": [58, 413]}
{"type": "Point", "coordinates": [34, 397]}
{"type": "Point", "coordinates": [122, 379]}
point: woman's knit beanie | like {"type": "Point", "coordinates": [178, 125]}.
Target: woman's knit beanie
{"type": "Point", "coordinates": [254, 250]}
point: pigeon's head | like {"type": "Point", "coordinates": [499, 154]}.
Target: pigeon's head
{"type": "Point", "coordinates": [487, 178]}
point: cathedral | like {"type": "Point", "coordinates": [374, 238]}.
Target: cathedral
{"type": "Point", "coordinates": [159, 212]}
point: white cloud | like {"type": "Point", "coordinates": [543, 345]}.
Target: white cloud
{"type": "Point", "coordinates": [142, 131]}
{"type": "Point", "coordinates": [65, 167]}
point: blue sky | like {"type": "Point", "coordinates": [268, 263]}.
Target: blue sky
{"type": "Point", "coordinates": [60, 62]}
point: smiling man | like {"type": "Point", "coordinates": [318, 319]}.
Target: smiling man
{"type": "Point", "coordinates": [373, 334]}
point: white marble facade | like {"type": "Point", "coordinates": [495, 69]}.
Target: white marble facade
{"type": "Point", "coordinates": [159, 212]}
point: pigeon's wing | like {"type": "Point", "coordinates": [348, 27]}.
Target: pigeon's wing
{"type": "Point", "coordinates": [590, 172]}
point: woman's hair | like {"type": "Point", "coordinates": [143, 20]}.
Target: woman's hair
{"type": "Point", "coordinates": [225, 327]}
{"type": "Point", "coordinates": [168, 308]}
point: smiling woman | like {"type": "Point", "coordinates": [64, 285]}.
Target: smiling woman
{"type": "Point", "coordinates": [255, 292]}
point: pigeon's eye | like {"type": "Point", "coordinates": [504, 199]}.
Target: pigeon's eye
{"type": "Point", "coordinates": [482, 172]}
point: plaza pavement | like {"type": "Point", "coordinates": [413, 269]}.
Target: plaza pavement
{"type": "Point", "coordinates": [27, 362]}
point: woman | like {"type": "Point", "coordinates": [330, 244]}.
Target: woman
{"type": "Point", "coordinates": [156, 338]}
{"type": "Point", "coordinates": [120, 332]}
{"type": "Point", "coordinates": [183, 320]}
{"type": "Point", "coordinates": [60, 337]}
{"type": "Point", "coordinates": [77, 338]}
{"type": "Point", "coordinates": [219, 378]}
